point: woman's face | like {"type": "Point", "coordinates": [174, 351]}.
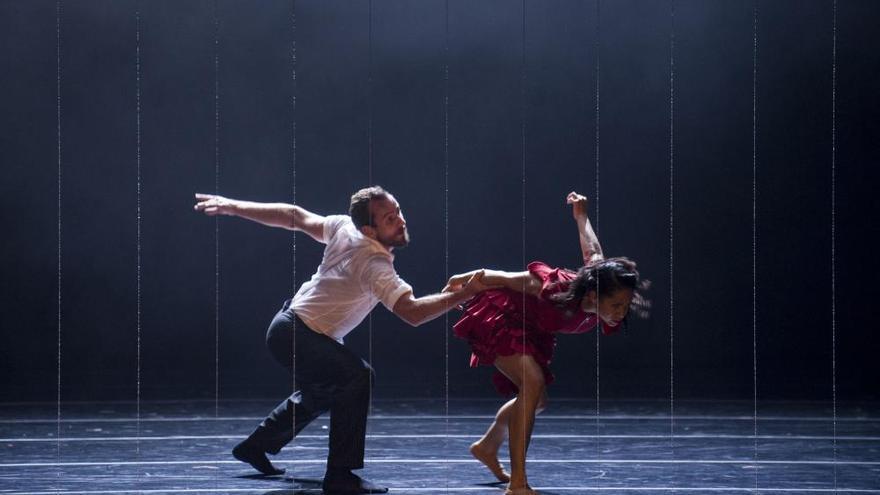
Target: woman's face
{"type": "Point", "coordinates": [611, 309]}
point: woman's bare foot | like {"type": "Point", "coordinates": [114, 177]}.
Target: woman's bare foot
{"type": "Point", "coordinates": [526, 490]}
{"type": "Point", "coordinates": [490, 459]}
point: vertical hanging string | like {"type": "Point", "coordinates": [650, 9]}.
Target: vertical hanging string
{"type": "Point", "coordinates": [293, 199]}
{"type": "Point", "coordinates": [217, 218]}
{"type": "Point", "coordinates": [370, 120]}
{"type": "Point", "coordinates": [833, 233]}
{"type": "Point", "coordinates": [446, 222]}
{"type": "Point", "coordinates": [672, 230]}
{"type": "Point", "coordinates": [599, 327]}
{"type": "Point", "coordinates": [137, 15]}
{"type": "Point", "coordinates": [755, 238]}
{"type": "Point", "coordinates": [370, 156]}
{"type": "Point", "coordinates": [522, 82]}
{"type": "Point", "coordinates": [58, 153]}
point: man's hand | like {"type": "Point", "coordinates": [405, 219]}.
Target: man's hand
{"type": "Point", "coordinates": [462, 287]}
{"type": "Point", "coordinates": [470, 281]}
{"type": "Point", "coordinates": [456, 282]}
{"type": "Point", "coordinates": [578, 204]}
{"type": "Point", "coordinates": [212, 204]}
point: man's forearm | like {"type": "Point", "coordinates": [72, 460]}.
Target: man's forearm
{"type": "Point", "coordinates": [272, 214]}
{"type": "Point", "coordinates": [426, 308]}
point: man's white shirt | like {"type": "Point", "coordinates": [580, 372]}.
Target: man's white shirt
{"type": "Point", "coordinates": [355, 274]}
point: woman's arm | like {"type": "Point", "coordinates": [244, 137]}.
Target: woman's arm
{"type": "Point", "coordinates": [519, 281]}
{"type": "Point", "coordinates": [590, 247]}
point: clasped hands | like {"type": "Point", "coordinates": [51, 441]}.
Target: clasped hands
{"type": "Point", "coordinates": [470, 282]}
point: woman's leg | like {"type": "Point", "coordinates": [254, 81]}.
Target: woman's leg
{"type": "Point", "coordinates": [486, 448]}
{"type": "Point", "coordinates": [523, 371]}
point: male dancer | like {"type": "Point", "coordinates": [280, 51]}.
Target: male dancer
{"type": "Point", "coordinates": [355, 274]}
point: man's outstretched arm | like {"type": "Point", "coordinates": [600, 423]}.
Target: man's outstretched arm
{"type": "Point", "coordinates": [283, 215]}
{"type": "Point", "coordinates": [418, 310]}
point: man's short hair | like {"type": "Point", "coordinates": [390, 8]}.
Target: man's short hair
{"type": "Point", "coordinates": [359, 210]}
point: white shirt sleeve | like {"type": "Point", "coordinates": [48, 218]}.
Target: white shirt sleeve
{"type": "Point", "coordinates": [380, 278]}
{"type": "Point", "coordinates": [332, 224]}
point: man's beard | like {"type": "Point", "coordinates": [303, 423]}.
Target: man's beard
{"type": "Point", "coordinates": [398, 241]}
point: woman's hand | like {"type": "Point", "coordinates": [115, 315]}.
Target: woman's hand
{"type": "Point", "coordinates": [578, 204]}
{"type": "Point", "coordinates": [472, 282]}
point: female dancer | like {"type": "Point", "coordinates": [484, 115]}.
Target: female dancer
{"type": "Point", "coordinates": [512, 327]}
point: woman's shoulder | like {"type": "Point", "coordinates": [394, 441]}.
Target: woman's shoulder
{"type": "Point", "coordinates": [549, 273]}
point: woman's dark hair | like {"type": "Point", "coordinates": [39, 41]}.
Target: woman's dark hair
{"type": "Point", "coordinates": [606, 277]}
{"type": "Point", "coordinates": [359, 209]}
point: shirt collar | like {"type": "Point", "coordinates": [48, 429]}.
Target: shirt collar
{"type": "Point", "coordinates": [376, 246]}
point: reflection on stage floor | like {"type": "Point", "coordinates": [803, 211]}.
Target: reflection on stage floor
{"type": "Point", "coordinates": [420, 446]}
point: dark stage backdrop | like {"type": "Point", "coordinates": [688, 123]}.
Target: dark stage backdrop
{"type": "Point", "coordinates": [523, 130]}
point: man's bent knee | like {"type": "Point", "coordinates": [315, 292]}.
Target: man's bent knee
{"type": "Point", "coordinates": [363, 376]}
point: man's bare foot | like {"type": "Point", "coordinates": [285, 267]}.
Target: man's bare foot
{"type": "Point", "coordinates": [490, 460]}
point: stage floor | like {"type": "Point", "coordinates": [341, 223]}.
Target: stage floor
{"type": "Point", "coordinates": [420, 446]}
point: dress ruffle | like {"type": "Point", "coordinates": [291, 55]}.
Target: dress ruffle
{"type": "Point", "coordinates": [493, 324]}
{"type": "Point", "coordinates": [503, 322]}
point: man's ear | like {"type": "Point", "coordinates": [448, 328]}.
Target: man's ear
{"type": "Point", "coordinates": [369, 231]}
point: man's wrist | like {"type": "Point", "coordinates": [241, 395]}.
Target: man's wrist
{"type": "Point", "coordinates": [466, 293]}
{"type": "Point", "coordinates": [233, 208]}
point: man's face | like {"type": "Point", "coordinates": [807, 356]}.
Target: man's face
{"type": "Point", "coordinates": [388, 222]}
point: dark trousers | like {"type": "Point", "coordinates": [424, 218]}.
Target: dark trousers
{"type": "Point", "coordinates": [328, 377]}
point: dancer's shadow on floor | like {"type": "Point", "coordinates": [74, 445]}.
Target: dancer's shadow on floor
{"type": "Point", "coordinates": [295, 486]}
{"type": "Point", "coordinates": [493, 484]}
{"type": "Point", "coordinates": [501, 486]}
{"type": "Point", "coordinates": [297, 491]}
{"type": "Point", "coordinates": [317, 491]}
{"type": "Point", "coordinates": [311, 486]}
{"type": "Point", "coordinates": [299, 486]}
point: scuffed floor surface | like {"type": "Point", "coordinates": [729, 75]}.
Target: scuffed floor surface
{"type": "Point", "coordinates": [420, 447]}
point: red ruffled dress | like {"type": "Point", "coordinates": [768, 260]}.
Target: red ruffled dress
{"type": "Point", "coordinates": [503, 322]}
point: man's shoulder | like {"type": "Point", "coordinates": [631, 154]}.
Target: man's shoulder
{"type": "Point", "coordinates": [336, 224]}
{"type": "Point", "coordinates": [338, 220]}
